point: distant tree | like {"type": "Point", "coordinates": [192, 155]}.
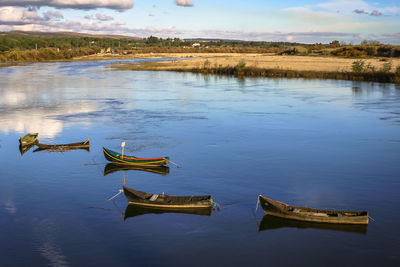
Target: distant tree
{"type": "Point", "coordinates": [334, 44]}
{"type": "Point", "coordinates": [358, 66]}
{"type": "Point", "coordinates": [152, 40]}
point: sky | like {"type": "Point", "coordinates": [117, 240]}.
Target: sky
{"type": "Point", "coordinates": [303, 21]}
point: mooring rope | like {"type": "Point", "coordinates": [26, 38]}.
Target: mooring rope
{"type": "Point", "coordinates": [258, 202]}
{"type": "Point", "coordinates": [178, 166]}
{"type": "Point", "coordinates": [371, 218]}
{"type": "Point", "coordinates": [117, 194]}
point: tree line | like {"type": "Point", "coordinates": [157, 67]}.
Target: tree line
{"type": "Point", "coordinates": [18, 47]}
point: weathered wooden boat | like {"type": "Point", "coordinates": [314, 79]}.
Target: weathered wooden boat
{"type": "Point", "coordinates": [131, 160]}
{"type": "Point", "coordinates": [134, 211]}
{"type": "Point", "coordinates": [270, 222]}
{"type": "Point", "coordinates": [114, 167]}
{"type": "Point", "coordinates": [139, 198]}
{"type": "Point", "coordinates": [279, 209]}
{"type": "Point", "coordinates": [28, 139]}
{"type": "Point", "coordinates": [64, 147]}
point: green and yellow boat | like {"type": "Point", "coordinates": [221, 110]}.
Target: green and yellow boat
{"type": "Point", "coordinates": [131, 160]}
{"type": "Point", "coordinates": [28, 139]}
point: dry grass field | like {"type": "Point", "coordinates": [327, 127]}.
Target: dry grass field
{"type": "Point", "coordinates": [270, 65]}
{"type": "Point", "coordinates": [261, 61]}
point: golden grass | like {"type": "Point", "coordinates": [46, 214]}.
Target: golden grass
{"type": "Point", "coordinates": [262, 65]}
{"type": "Point", "coordinates": [263, 61]}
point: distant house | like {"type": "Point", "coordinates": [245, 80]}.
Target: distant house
{"type": "Point", "coordinates": [196, 45]}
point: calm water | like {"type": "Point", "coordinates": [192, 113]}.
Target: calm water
{"type": "Point", "coordinates": [325, 144]}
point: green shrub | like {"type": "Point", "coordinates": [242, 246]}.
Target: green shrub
{"type": "Point", "coordinates": [358, 66]}
{"type": "Point", "coordinates": [387, 66]}
{"type": "Point", "coordinates": [241, 65]}
{"type": "Point", "coordinates": [397, 70]}
{"type": "Point", "coordinates": [206, 64]}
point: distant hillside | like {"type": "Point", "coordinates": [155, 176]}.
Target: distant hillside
{"type": "Point", "coordinates": [70, 35]}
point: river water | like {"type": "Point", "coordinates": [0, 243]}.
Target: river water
{"type": "Point", "coordinates": [319, 143]}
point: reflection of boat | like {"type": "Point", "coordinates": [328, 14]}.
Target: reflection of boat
{"type": "Point", "coordinates": [23, 149]}
{"type": "Point", "coordinates": [279, 209]}
{"type": "Point", "coordinates": [131, 160]}
{"type": "Point", "coordinates": [139, 198]}
{"type": "Point", "coordinates": [113, 167]}
{"type": "Point", "coordinates": [28, 139]}
{"type": "Point", "coordinates": [64, 147]}
{"type": "Point", "coordinates": [133, 211]}
{"type": "Point", "coordinates": [270, 222]}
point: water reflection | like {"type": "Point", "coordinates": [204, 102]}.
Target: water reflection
{"type": "Point", "coordinates": [338, 152]}
{"type": "Point", "coordinates": [36, 98]}
{"type": "Point", "coordinates": [47, 244]}
{"type": "Point", "coordinates": [269, 222]}
{"type": "Point", "coordinates": [112, 167]}
{"type": "Point", "coordinates": [24, 149]}
{"type": "Point", "coordinates": [64, 149]}
{"type": "Point", "coordinates": [23, 112]}
{"type": "Point", "coordinates": [134, 211]}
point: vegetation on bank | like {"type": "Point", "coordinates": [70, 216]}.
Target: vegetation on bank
{"type": "Point", "coordinates": [22, 46]}
{"type": "Point", "coordinates": [359, 71]}
{"type": "Point", "coordinates": [46, 54]}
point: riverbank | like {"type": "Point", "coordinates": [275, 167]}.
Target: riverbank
{"type": "Point", "coordinates": [270, 65]}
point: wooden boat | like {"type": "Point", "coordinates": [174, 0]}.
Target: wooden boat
{"type": "Point", "coordinates": [139, 198]}
{"type": "Point", "coordinates": [64, 147]}
{"type": "Point", "coordinates": [131, 160]}
{"type": "Point", "coordinates": [134, 211]}
{"type": "Point", "coordinates": [270, 222]}
{"type": "Point", "coordinates": [28, 139]}
{"type": "Point", "coordinates": [279, 209]}
{"type": "Point", "coordinates": [114, 167]}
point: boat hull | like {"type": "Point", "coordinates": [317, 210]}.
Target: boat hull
{"type": "Point", "coordinates": [142, 199]}
{"type": "Point", "coordinates": [28, 139]}
{"type": "Point", "coordinates": [130, 160]}
{"type": "Point", "coordinates": [305, 214]}
{"type": "Point", "coordinates": [64, 147]}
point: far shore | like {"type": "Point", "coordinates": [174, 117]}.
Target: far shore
{"type": "Point", "coordinates": [263, 61]}
{"type": "Point", "coordinates": [267, 65]}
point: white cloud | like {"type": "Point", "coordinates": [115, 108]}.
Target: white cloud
{"type": "Point", "coordinates": [94, 27]}
{"type": "Point", "coordinates": [301, 37]}
{"type": "Point", "coordinates": [360, 11]}
{"type": "Point", "coordinates": [307, 14]}
{"type": "Point", "coordinates": [75, 4]}
{"type": "Point", "coordinates": [345, 6]}
{"type": "Point", "coordinates": [102, 17]}
{"type": "Point", "coordinates": [18, 16]}
{"type": "Point", "coordinates": [359, 7]}
{"type": "Point", "coordinates": [52, 15]}
{"type": "Point", "coordinates": [376, 13]}
{"type": "Point", "coordinates": [186, 3]}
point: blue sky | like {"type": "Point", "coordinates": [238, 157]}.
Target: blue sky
{"type": "Point", "coordinates": [299, 21]}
